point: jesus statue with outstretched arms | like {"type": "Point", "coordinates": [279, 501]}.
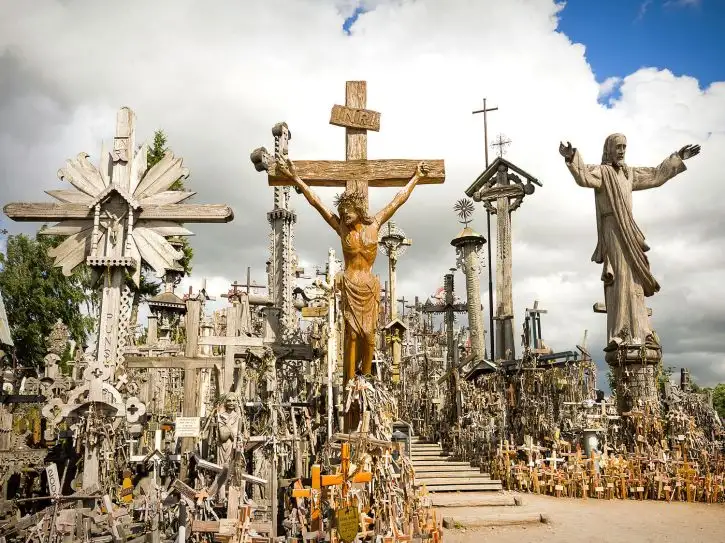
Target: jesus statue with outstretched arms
{"type": "Point", "coordinates": [621, 245]}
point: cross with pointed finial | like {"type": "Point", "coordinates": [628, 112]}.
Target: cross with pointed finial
{"type": "Point", "coordinates": [501, 142]}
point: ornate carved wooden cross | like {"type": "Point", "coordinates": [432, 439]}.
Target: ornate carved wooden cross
{"type": "Point", "coordinates": [448, 307]}
{"type": "Point", "coordinates": [355, 173]}
{"type": "Point", "coordinates": [502, 184]}
{"type": "Point", "coordinates": [117, 216]}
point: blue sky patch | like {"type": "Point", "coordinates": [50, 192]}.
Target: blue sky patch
{"type": "Point", "coordinates": [622, 36]}
{"type": "Point", "coordinates": [347, 25]}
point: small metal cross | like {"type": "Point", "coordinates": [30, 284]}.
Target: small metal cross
{"type": "Point", "coordinates": [501, 142]}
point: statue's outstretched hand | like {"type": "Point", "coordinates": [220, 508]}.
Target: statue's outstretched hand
{"type": "Point", "coordinates": [286, 168]}
{"type": "Point", "coordinates": [422, 170]}
{"type": "Point", "coordinates": [567, 151]}
{"type": "Point", "coordinates": [688, 151]}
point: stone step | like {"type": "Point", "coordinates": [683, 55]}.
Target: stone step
{"type": "Point", "coordinates": [454, 480]}
{"type": "Point", "coordinates": [425, 445]}
{"type": "Point", "coordinates": [454, 500]}
{"type": "Point", "coordinates": [423, 454]}
{"type": "Point", "coordinates": [493, 517]}
{"type": "Point", "coordinates": [444, 473]}
{"type": "Point", "coordinates": [492, 486]}
{"type": "Point", "coordinates": [438, 462]}
{"type": "Point", "coordinates": [446, 466]}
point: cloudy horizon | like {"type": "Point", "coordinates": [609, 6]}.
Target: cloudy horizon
{"type": "Point", "coordinates": [216, 78]}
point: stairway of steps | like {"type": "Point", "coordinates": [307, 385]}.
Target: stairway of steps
{"type": "Point", "coordinates": [434, 469]}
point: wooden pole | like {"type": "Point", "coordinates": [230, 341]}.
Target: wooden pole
{"type": "Point", "coordinates": [274, 483]}
{"type": "Point", "coordinates": [356, 139]}
{"type": "Point", "coordinates": [234, 316]}
{"type": "Point", "coordinates": [190, 407]}
{"type": "Point", "coordinates": [488, 229]}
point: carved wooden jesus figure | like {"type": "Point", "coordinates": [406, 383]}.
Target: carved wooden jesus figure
{"type": "Point", "coordinates": [360, 289]}
{"type": "Point", "coordinates": [621, 245]}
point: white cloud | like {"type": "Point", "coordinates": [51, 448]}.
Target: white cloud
{"type": "Point", "coordinates": [216, 77]}
{"type": "Point", "coordinates": [608, 86]}
{"type": "Point", "coordinates": [643, 7]}
{"type": "Point", "coordinates": [683, 3]}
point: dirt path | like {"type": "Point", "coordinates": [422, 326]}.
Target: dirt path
{"type": "Point", "coordinates": [599, 521]}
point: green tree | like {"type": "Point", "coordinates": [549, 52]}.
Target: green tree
{"type": "Point", "coordinates": [664, 376]}
{"type": "Point", "coordinates": [718, 400]}
{"type": "Point", "coordinates": [611, 381]}
{"type": "Point", "coordinates": [37, 294]}
{"type": "Point", "coordinates": [148, 288]}
{"type": "Point", "coordinates": [155, 153]}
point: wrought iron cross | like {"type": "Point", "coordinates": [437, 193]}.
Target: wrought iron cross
{"type": "Point", "coordinates": [501, 143]}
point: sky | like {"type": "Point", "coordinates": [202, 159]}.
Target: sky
{"type": "Point", "coordinates": [216, 77]}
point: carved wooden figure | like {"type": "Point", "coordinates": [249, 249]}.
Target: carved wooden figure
{"type": "Point", "coordinates": [633, 347]}
{"type": "Point", "coordinates": [358, 230]}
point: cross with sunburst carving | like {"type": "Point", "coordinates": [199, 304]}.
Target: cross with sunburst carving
{"type": "Point", "coordinates": [115, 217]}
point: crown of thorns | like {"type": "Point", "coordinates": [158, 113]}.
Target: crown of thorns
{"type": "Point", "coordinates": [354, 199]}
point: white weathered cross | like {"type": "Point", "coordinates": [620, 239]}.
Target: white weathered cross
{"type": "Point", "coordinates": [115, 217]}
{"type": "Point", "coordinates": [356, 172]}
{"type": "Point", "coordinates": [118, 215]}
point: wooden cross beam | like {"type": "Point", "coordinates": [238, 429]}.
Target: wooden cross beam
{"type": "Point", "coordinates": [183, 213]}
{"type": "Point", "coordinates": [249, 284]}
{"type": "Point", "coordinates": [402, 300]}
{"type": "Point", "coordinates": [235, 291]}
{"type": "Point", "coordinates": [601, 307]}
{"type": "Point", "coordinates": [445, 308]}
{"type": "Point", "coordinates": [341, 479]}
{"type": "Point", "coordinates": [356, 172]}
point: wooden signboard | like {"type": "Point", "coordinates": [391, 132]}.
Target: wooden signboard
{"type": "Point", "coordinates": [310, 312]}
{"type": "Point", "coordinates": [188, 427]}
{"type": "Point", "coordinates": [53, 480]}
{"type": "Point", "coordinates": [347, 523]}
{"type": "Point", "coordinates": [350, 117]}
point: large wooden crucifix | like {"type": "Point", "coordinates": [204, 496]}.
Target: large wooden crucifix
{"type": "Point", "coordinates": [358, 230]}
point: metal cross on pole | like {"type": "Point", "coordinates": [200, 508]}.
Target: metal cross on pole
{"type": "Point", "coordinates": [501, 143]}
{"type": "Point", "coordinates": [485, 111]}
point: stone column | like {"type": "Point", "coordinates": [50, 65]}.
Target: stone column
{"type": "Point", "coordinates": [152, 335]}
{"type": "Point", "coordinates": [282, 261]}
{"type": "Point", "coordinates": [468, 243]}
{"type": "Point", "coordinates": [634, 368]}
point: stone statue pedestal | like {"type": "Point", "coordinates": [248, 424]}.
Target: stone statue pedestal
{"type": "Point", "coordinates": [635, 373]}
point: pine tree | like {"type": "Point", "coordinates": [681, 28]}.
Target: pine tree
{"type": "Point", "coordinates": [37, 294]}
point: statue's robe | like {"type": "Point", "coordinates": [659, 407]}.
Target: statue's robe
{"type": "Point", "coordinates": [360, 287]}
{"type": "Point", "coordinates": [621, 245]}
